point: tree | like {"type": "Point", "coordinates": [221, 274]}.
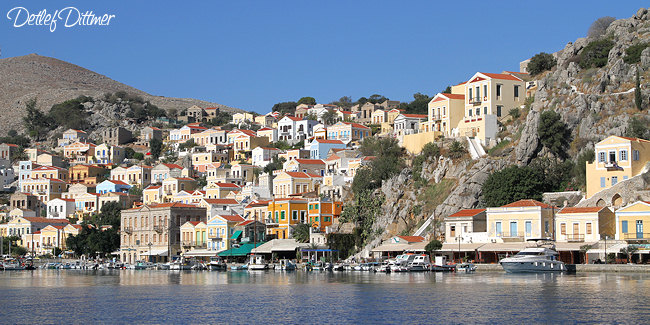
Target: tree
{"type": "Point", "coordinates": [430, 150]}
{"type": "Point", "coordinates": [307, 101]}
{"type": "Point", "coordinates": [276, 163]}
{"type": "Point", "coordinates": [110, 214]}
{"type": "Point", "coordinates": [362, 211]}
{"type": "Point", "coordinates": [136, 190]}
{"type": "Point", "coordinates": [362, 100]}
{"type": "Point", "coordinates": [71, 113]}
{"type": "Point", "coordinates": [36, 123]}
{"type": "Point", "coordinates": [633, 53]}
{"type": "Point", "coordinates": [595, 54]}
{"type": "Point", "coordinates": [344, 102]}
{"type": "Point", "coordinates": [447, 90]}
{"type": "Point", "coordinates": [189, 144]}
{"type": "Point", "coordinates": [541, 62]}
{"type": "Point", "coordinates": [311, 117]}
{"type": "Point", "coordinates": [387, 162]}
{"type": "Point", "coordinates": [285, 108]}
{"type": "Point", "coordinates": [512, 184]}
{"type": "Point", "coordinates": [599, 26]}
{"type": "Point", "coordinates": [330, 117]}
{"type": "Point", "coordinates": [155, 145]}
{"type": "Point", "coordinates": [301, 233]}
{"type": "Point", "coordinates": [553, 133]}
{"type": "Point", "coordinates": [377, 99]}
{"type": "Point", "coordinates": [629, 251]}
{"type": "Point", "coordinates": [580, 169]}
{"type": "Point", "coordinates": [129, 152]}
{"type": "Point", "coordinates": [221, 118]}
{"type": "Point", "coordinates": [456, 150]}
{"type": "Point", "coordinates": [419, 105]}
{"type": "Point", "coordinates": [638, 101]}
{"type": "Point", "coordinates": [638, 128]}
{"type": "Point", "coordinates": [433, 245]}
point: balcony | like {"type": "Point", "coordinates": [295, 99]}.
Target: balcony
{"type": "Point", "coordinates": [128, 230]}
{"type": "Point", "coordinates": [436, 117]}
{"type": "Point", "coordinates": [158, 229]}
{"type": "Point", "coordinates": [612, 166]}
{"type": "Point", "coordinates": [475, 101]}
{"type": "Point", "coordinates": [510, 236]}
{"type": "Point", "coordinates": [191, 243]}
{"type": "Point", "coordinates": [636, 236]}
{"type": "Point", "coordinates": [575, 238]}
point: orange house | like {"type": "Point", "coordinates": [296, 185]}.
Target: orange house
{"type": "Point", "coordinates": [324, 214]}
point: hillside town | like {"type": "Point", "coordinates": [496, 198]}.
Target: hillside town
{"type": "Point", "coordinates": [277, 184]}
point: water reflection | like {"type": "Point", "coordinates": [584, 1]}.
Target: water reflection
{"type": "Point", "coordinates": [52, 296]}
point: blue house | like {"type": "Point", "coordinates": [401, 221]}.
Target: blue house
{"type": "Point", "coordinates": [112, 186]}
{"type": "Point", "coordinates": [319, 148]}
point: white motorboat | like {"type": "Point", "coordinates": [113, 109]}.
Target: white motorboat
{"type": "Point", "coordinates": [257, 262]}
{"type": "Point", "coordinates": [534, 259]}
{"type": "Point", "coordinates": [401, 263]}
{"type": "Point", "coordinates": [181, 264]}
{"type": "Point", "coordinates": [467, 267]}
{"type": "Point", "coordinates": [285, 265]}
{"type": "Point", "coordinates": [420, 263]}
{"type": "Point", "coordinates": [11, 264]}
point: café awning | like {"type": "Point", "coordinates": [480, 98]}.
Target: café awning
{"type": "Point", "coordinates": [236, 234]}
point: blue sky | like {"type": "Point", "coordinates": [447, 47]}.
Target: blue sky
{"type": "Point", "coordinates": [253, 54]}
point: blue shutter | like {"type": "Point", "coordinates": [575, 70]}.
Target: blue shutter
{"type": "Point", "coordinates": [602, 182]}
{"type": "Point", "coordinates": [624, 226]}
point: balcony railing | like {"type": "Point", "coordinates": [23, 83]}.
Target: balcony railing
{"type": "Point", "coordinates": [475, 101]}
{"type": "Point", "coordinates": [191, 243]}
{"type": "Point", "coordinates": [436, 117]}
{"type": "Point", "coordinates": [575, 238]}
{"type": "Point", "coordinates": [159, 229]}
{"type": "Point", "coordinates": [506, 234]}
{"type": "Point", "coordinates": [636, 236]}
{"type": "Point", "coordinates": [128, 230]}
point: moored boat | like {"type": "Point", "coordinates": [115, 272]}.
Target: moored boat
{"type": "Point", "coordinates": [541, 258]}
{"type": "Point", "coordinates": [257, 262]}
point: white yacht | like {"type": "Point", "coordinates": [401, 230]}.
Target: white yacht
{"type": "Point", "coordinates": [401, 263]}
{"type": "Point", "coordinates": [420, 263]}
{"type": "Point", "coordinates": [534, 259]}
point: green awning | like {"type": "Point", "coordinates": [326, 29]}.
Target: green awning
{"type": "Point", "coordinates": [236, 234]}
{"type": "Point", "coordinates": [242, 250]}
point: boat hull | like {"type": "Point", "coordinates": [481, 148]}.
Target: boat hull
{"type": "Point", "coordinates": [533, 267]}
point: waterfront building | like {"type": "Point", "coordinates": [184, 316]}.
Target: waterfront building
{"type": "Point", "coordinates": [633, 223]}
{"type": "Point", "coordinates": [467, 225]}
{"type": "Point", "coordinates": [617, 159]}
{"type": "Point", "coordinates": [221, 229]}
{"type": "Point", "coordinates": [152, 232]}
{"type": "Point", "coordinates": [520, 220]}
{"type": "Point", "coordinates": [288, 183]}
{"type": "Point", "coordinates": [584, 224]}
{"type": "Point", "coordinates": [283, 214]}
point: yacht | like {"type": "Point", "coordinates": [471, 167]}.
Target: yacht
{"type": "Point", "coordinates": [401, 263]}
{"type": "Point", "coordinates": [11, 264]}
{"type": "Point", "coordinates": [534, 259]}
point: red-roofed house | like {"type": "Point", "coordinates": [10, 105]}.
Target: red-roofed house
{"type": "Point", "coordinates": [319, 148]}
{"type": "Point", "coordinates": [288, 183]}
{"type": "Point", "coordinates": [221, 230]}
{"type": "Point", "coordinates": [262, 156]}
{"type": "Point", "coordinates": [445, 111]}
{"type": "Point", "coordinates": [293, 129]}
{"type": "Point", "coordinates": [311, 166]}
{"type": "Point", "coordinates": [407, 239]}
{"type": "Point", "coordinates": [60, 208]}
{"type": "Point", "coordinates": [468, 224]}
{"type": "Point", "coordinates": [489, 97]}
{"type": "Point", "coordinates": [347, 131]}
{"type": "Point", "coordinates": [406, 124]}
{"type": "Point", "coordinates": [163, 171]}
{"type": "Point", "coordinates": [584, 224]}
{"type": "Point", "coordinates": [521, 220]}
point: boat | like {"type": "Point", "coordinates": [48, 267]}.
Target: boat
{"type": "Point", "coordinates": [441, 265]}
{"type": "Point", "coordinates": [370, 266]}
{"type": "Point", "coordinates": [540, 258]}
{"type": "Point", "coordinates": [420, 263]}
{"type": "Point", "coordinates": [256, 262]}
{"type": "Point", "coordinates": [11, 264]}
{"type": "Point", "coordinates": [286, 265]}
{"type": "Point", "coordinates": [467, 267]}
{"type": "Point", "coordinates": [384, 267]}
{"type": "Point", "coordinates": [217, 264]}
{"type": "Point", "coordinates": [239, 267]}
{"type": "Point", "coordinates": [401, 263]}
{"type": "Point", "coordinates": [338, 267]}
{"type": "Point", "coordinates": [181, 264]}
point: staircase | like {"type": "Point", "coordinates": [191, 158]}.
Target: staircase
{"type": "Point", "coordinates": [475, 148]}
{"type": "Point", "coordinates": [424, 226]}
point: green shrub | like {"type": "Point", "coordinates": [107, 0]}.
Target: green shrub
{"type": "Point", "coordinates": [515, 113]}
{"type": "Point", "coordinates": [541, 62]}
{"type": "Point", "coordinates": [595, 54]}
{"type": "Point", "coordinates": [456, 150]}
{"type": "Point", "coordinates": [633, 53]}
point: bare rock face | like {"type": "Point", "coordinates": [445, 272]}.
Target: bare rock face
{"type": "Point", "coordinates": [529, 142]}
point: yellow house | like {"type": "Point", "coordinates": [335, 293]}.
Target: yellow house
{"type": "Point", "coordinates": [220, 230]}
{"type": "Point", "coordinates": [630, 222]}
{"type": "Point", "coordinates": [220, 190]}
{"type": "Point", "coordinates": [256, 210]}
{"type": "Point", "coordinates": [584, 224]}
{"type": "Point", "coordinates": [45, 188]}
{"type": "Point", "coordinates": [193, 235]}
{"type": "Point", "coordinates": [284, 213]}
{"type": "Point", "coordinates": [520, 220]}
{"type": "Point", "coordinates": [288, 183]}
{"type": "Point", "coordinates": [49, 172]}
{"type": "Point", "coordinates": [152, 194]}
{"type": "Point", "coordinates": [617, 159]}
{"type": "Point", "coordinates": [242, 117]}
{"type": "Point", "coordinates": [173, 185]}
{"type": "Point", "coordinates": [378, 117]}
{"type": "Point", "coordinates": [445, 111]}
{"type": "Point", "coordinates": [488, 98]}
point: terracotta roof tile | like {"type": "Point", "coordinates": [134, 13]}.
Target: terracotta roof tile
{"type": "Point", "coordinates": [467, 213]}
{"type": "Point", "coordinates": [527, 203]}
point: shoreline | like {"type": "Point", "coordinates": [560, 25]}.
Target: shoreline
{"type": "Point", "coordinates": [616, 268]}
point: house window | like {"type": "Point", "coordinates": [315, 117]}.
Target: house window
{"type": "Point", "coordinates": [635, 155]}
{"type": "Point", "coordinates": [282, 216]}
{"type": "Point", "coordinates": [498, 91]}
{"type": "Point", "coordinates": [624, 226]}
{"type": "Point", "coordinates": [478, 111]}
{"type": "Point", "coordinates": [485, 110]}
{"type": "Point", "coordinates": [470, 112]}
{"type": "Point", "coordinates": [485, 91]}
{"type": "Point", "coordinates": [614, 180]}
{"type": "Point", "coordinates": [563, 228]}
{"type": "Point", "coordinates": [470, 93]}
{"type": "Point", "coordinates": [499, 108]}
{"type": "Point", "coordinates": [602, 182]}
{"type": "Point", "coordinates": [588, 228]}
{"type": "Point", "coordinates": [516, 91]}
{"type": "Point", "coordinates": [452, 231]}
{"type": "Point", "coordinates": [546, 226]}
{"type": "Point", "coordinates": [295, 215]}
{"type": "Point", "coordinates": [623, 155]}
{"type": "Point", "coordinates": [601, 156]}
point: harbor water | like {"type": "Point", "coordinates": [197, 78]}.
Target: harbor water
{"type": "Point", "coordinates": [134, 296]}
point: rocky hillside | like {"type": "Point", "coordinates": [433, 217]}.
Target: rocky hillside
{"type": "Point", "coordinates": [593, 103]}
{"type": "Point", "coordinates": [53, 81]}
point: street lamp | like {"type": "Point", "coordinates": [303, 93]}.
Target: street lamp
{"type": "Point", "coordinates": [605, 249]}
{"type": "Point", "coordinates": [150, 258]}
{"type": "Point", "coordinates": [459, 238]}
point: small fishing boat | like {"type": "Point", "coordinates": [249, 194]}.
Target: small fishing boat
{"type": "Point", "coordinates": [257, 262]}
{"type": "Point", "coordinates": [242, 267]}
{"type": "Point", "coordinates": [11, 264]}
{"type": "Point", "coordinates": [467, 267]}
{"type": "Point", "coordinates": [217, 264]}
{"type": "Point", "coordinates": [420, 263]}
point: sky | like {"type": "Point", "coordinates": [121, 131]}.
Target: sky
{"type": "Point", "coordinates": [253, 54]}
